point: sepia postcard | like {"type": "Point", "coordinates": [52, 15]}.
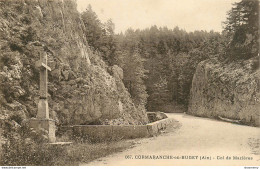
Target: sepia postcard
{"type": "Point", "coordinates": [129, 83]}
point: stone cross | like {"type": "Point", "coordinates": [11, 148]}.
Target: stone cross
{"type": "Point", "coordinates": [42, 120]}
{"type": "Point", "coordinates": [43, 109]}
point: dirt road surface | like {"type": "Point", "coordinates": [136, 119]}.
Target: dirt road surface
{"type": "Point", "coordinates": [203, 141]}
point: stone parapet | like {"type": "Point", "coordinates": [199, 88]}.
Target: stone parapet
{"type": "Point", "coordinates": [121, 131]}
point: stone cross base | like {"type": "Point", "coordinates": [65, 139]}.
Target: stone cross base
{"type": "Point", "coordinates": [47, 124]}
{"type": "Point", "coordinates": [43, 109]}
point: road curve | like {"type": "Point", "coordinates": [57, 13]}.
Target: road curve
{"type": "Point", "coordinates": [213, 141]}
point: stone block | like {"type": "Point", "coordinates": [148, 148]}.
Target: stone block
{"type": "Point", "coordinates": [163, 124]}
{"type": "Point", "coordinates": [43, 109]}
{"type": "Point", "coordinates": [152, 129]}
{"type": "Point", "coordinates": [94, 131]}
{"type": "Point", "coordinates": [61, 143]}
{"type": "Point", "coordinates": [47, 124]}
{"type": "Point", "coordinates": [136, 131]}
{"type": "Point", "coordinates": [159, 125]}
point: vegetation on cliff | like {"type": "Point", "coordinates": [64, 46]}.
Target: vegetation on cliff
{"type": "Point", "coordinates": [228, 86]}
{"type": "Point", "coordinates": [160, 64]}
{"type": "Point", "coordinates": [157, 64]}
{"type": "Point", "coordinates": [226, 91]}
{"type": "Point", "coordinates": [82, 88]}
{"type": "Point", "coordinates": [99, 77]}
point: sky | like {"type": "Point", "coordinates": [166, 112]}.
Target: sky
{"type": "Point", "coordinates": [189, 15]}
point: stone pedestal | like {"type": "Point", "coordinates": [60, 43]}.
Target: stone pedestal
{"type": "Point", "coordinates": [43, 109]}
{"type": "Point", "coordinates": [47, 124]}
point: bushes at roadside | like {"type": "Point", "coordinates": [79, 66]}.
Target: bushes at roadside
{"type": "Point", "coordinates": [25, 146]}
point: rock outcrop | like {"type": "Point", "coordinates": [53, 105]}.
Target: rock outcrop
{"type": "Point", "coordinates": [227, 91]}
{"type": "Point", "coordinates": [82, 88]}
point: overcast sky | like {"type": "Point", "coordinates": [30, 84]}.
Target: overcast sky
{"type": "Point", "coordinates": [187, 14]}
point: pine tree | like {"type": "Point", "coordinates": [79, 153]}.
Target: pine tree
{"type": "Point", "coordinates": [242, 26]}
{"type": "Point", "coordinates": [134, 75]}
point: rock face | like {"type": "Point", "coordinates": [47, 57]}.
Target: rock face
{"type": "Point", "coordinates": [82, 88]}
{"type": "Point", "coordinates": [226, 91]}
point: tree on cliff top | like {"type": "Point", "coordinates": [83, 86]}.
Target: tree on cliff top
{"type": "Point", "coordinates": [242, 28]}
{"type": "Point", "coordinates": [100, 36]}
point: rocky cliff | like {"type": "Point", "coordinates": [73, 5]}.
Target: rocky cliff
{"type": "Point", "coordinates": [229, 91]}
{"type": "Point", "coordinates": [82, 88]}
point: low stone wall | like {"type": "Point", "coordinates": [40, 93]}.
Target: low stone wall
{"type": "Point", "coordinates": [156, 116]}
{"type": "Point", "coordinates": [115, 131]}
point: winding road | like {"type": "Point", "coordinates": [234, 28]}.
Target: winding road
{"type": "Point", "coordinates": [201, 141]}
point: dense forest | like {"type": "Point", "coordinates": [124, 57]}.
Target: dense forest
{"type": "Point", "coordinates": [159, 63]}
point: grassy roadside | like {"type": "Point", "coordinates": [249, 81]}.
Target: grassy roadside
{"type": "Point", "coordinates": [85, 152]}
{"type": "Point", "coordinates": [79, 153]}
{"type": "Point", "coordinates": [23, 151]}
